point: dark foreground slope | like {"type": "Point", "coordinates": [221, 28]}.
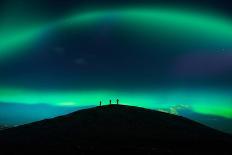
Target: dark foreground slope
{"type": "Point", "coordinates": [112, 129]}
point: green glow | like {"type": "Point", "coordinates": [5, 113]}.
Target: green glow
{"type": "Point", "coordinates": [203, 102]}
{"type": "Point", "coordinates": [12, 40]}
{"type": "Point", "coordinates": [155, 22]}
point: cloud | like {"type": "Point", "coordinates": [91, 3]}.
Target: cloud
{"type": "Point", "coordinates": [176, 109]}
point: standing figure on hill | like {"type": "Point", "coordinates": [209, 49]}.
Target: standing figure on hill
{"type": "Point", "coordinates": [110, 102]}
{"type": "Point", "coordinates": [117, 101]}
{"type": "Point", "coordinates": [100, 103]}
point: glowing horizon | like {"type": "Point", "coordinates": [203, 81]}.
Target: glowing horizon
{"type": "Point", "coordinates": [202, 102]}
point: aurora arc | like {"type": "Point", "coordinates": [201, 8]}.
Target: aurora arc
{"type": "Point", "coordinates": [219, 29]}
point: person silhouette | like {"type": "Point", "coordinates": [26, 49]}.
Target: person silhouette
{"type": "Point", "coordinates": [100, 103]}
{"type": "Point", "coordinates": [110, 102]}
{"type": "Point", "coordinates": [117, 101]}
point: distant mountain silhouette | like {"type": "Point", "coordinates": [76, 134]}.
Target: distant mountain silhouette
{"type": "Point", "coordinates": [3, 127]}
{"type": "Point", "coordinates": [115, 129]}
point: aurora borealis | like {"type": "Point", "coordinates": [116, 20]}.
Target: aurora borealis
{"type": "Point", "coordinates": [161, 57]}
{"type": "Point", "coordinates": [163, 19]}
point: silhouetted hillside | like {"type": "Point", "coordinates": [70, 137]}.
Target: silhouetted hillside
{"type": "Point", "coordinates": [115, 128]}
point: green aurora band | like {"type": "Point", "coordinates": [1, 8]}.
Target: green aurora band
{"type": "Point", "coordinates": [170, 21]}
{"type": "Point", "coordinates": [193, 26]}
{"type": "Point", "coordinates": [205, 102]}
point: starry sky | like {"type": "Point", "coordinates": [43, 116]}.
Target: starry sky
{"type": "Point", "coordinates": [60, 56]}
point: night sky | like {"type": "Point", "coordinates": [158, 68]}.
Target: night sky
{"type": "Point", "coordinates": [172, 56]}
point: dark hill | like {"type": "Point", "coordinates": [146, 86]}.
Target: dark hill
{"type": "Point", "coordinates": [115, 128]}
